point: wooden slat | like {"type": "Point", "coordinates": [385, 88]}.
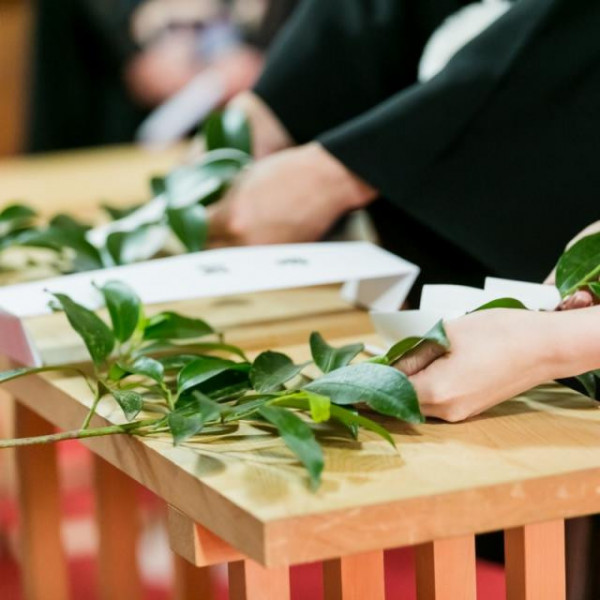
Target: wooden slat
{"type": "Point", "coordinates": [118, 529]}
{"type": "Point", "coordinates": [356, 577]}
{"type": "Point", "coordinates": [191, 582]}
{"type": "Point", "coordinates": [535, 562]}
{"type": "Point", "coordinates": [43, 562]}
{"type": "Point", "coordinates": [446, 569]}
{"type": "Point", "coordinates": [250, 581]}
{"type": "Point", "coordinates": [196, 544]}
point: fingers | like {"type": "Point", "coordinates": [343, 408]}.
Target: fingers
{"type": "Point", "coordinates": [420, 358]}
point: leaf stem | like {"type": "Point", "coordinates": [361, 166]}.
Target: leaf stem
{"type": "Point", "coordinates": [78, 434]}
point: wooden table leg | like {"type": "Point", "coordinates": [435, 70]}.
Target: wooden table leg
{"type": "Point", "coordinates": [118, 532]}
{"type": "Point", "coordinates": [43, 560]}
{"type": "Point", "coordinates": [250, 581]}
{"type": "Point", "coordinates": [191, 582]}
{"type": "Point", "coordinates": [535, 562]}
{"type": "Point", "coordinates": [356, 577]}
{"type": "Point", "coordinates": [446, 570]}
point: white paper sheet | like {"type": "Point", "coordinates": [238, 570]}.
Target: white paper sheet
{"type": "Point", "coordinates": [374, 278]}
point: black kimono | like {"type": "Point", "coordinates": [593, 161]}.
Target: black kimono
{"type": "Point", "coordinates": [491, 166]}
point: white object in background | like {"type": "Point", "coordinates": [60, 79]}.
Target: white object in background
{"type": "Point", "coordinates": [374, 278]}
{"type": "Point", "coordinates": [535, 296]}
{"type": "Point", "coordinates": [180, 114]}
{"type": "Point", "coordinates": [456, 32]}
{"type": "Point", "coordinates": [452, 301]}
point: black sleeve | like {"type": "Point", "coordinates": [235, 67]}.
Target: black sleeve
{"type": "Point", "coordinates": [337, 58]}
{"type": "Point", "coordinates": [498, 153]}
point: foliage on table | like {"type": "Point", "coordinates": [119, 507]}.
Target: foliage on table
{"type": "Point", "coordinates": [184, 194]}
{"type": "Point", "coordinates": [174, 374]}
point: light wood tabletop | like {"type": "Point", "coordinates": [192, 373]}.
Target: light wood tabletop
{"type": "Point", "coordinates": [523, 466]}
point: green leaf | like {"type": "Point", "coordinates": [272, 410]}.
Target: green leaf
{"type": "Point", "coordinates": [271, 370]}
{"type": "Point", "coordinates": [320, 407]}
{"type": "Point", "coordinates": [67, 222]}
{"type": "Point", "coordinates": [589, 383]}
{"type": "Point", "coordinates": [172, 326]}
{"type": "Point", "coordinates": [328, 358]}
{"type": "Point", "coordinates": [595, 288]}
{"type": "Point", "coordinates": [299, 438]}
{"type": "Point", "coordinates": [348, 418]}
{"type": "Point", "coordinates": [94, 332]}
{"type": "Point", "coordinates": [124, 307]}
{"type": "Point", "coordinates": [15, 212]}
{"type": "Point", "coordinates": [130, 402]}
{"type": "Point", "coordinates": [245, 409]}
{"type": "Point", "coordinates": [385, 389]}
{"type": "Point", "coordinates": [86, 256]}
{"type": "Point", "coordinates": [202, 348]}
{"type": "Point", "coordinates": [158, 185]}
{"type": "Point", "coordinates": [579, 265]}
{"type": "Point", "coordinates": [502, 303]}
{"type": "Point", "coordinates": [436, 335]}
{"type": "Point", "coordinates": [147, 367]}
{"type": "Point", "coordinates": [228, 129]}
{"type": "Point", "coordinates": [117, 212]}
{"type": "Point", "coordinates": [190, 416]}
{"type": "Point", "coordinates": [203, 369]}
{"type": "Point", "coordinates": [126, 247]}
{"type": "Point", "coordinates": [176, 362]}
{"type": "Point", "coordinates": [190, 225]}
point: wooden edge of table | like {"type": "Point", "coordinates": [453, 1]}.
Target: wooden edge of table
{"type": "Point", "coordinates": [332, 534]}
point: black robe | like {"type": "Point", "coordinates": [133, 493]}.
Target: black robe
{"type": "Point", "coordinates": [491, 166]}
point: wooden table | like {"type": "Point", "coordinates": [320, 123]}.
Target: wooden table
{"type": "Point", "coordinates": [523, 467]}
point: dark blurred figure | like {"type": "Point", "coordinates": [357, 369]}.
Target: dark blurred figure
{"type": "Point", "coordinates": [99, 66]}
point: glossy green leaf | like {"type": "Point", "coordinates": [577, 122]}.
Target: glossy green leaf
{"type": "Point", "coordinates": [201, 348]}
{"type": "Point", "coordinates": [328, 358]}
{"type": "Point", "coordinates": [172, 326]}
{"type": "Point", "coordinates": [589, 383]}
{"type": "Point", "coordinates": [190, 225]}
{"type": "Point", "coordinates": [124, 307]}
{"type": "Point", "coordinates": [351, 419]}
{"type": "Point", "coordinates": [131, 402]}
{"type": "Point", "coordinates": [203, 369]}
{"type": "Point", "coordinates": [67, 222]}
{"type": "Point", "coordinates": [15, 212]}
{"type": "Point", "coordinates": [190, 416]}
{"type": "Point", "coordinates": [147, 367]}
{"type": "Point", "coordinates": [595, 288]}
{"type": "Point", "coordinates": [271, 370]}
{"type": "Point", "coordinates": [176, 362]}
{"type": "Point", "coordinates": [228, 129]}
{"type": "Point", "coordinates": [158, 185]}
{"type": "Point", "coordinates": [385, 389]}
{"type": "Point", "coordinates": [118, 212]}
{"type": "Point", "coordinates": [94, 332]}
{"type": "Point", "coordinates": [579, 265]}
{"type": "Point", "coordinates": [299, 438]}
{"type": "Point", "coordinates": [86, 257]}
{"type": "Point", "coordinates": [24, 372]}
{"type": "Point", "coordinates": [502, 303]}
{"type": "Point", "coordinates": [126, 247]}
{"type": "Point", "coordinates": [436, 335]}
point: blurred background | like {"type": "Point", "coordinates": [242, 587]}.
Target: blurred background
{"type": "Point", "coordinates": [84, 73]}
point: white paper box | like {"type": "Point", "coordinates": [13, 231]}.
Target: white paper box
{"type": "Point", "coordinates": [374, 278]}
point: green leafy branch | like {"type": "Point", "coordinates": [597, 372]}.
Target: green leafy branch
{"type": "Point", "coordinates": [172, 374]}
{"type": "Point", "coordinates": [180, 199]}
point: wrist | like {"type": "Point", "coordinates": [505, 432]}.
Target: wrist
{"type": "Point", "coordinates": [345, 190]}
{"type": "Point", "coordinates": [269, 135]}
{"type": "Point", "coordinates": [572, 342]}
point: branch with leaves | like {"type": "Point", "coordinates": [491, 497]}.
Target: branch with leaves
{"type": "Point", "coordinates": [176, 375]}
{"type": "Point", "coordinates": [137, 233]}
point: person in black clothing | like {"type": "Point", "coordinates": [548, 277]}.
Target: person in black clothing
{"type": "Point", "coordinates": [485, 168]}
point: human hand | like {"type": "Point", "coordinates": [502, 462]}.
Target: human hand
{"type": "Point", "coordinates": [293, 196]}
{"type": "Point", "coordinates": [494, 356]}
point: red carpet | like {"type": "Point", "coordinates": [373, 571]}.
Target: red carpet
{"type": "Point", "coordinates": [306, 580]}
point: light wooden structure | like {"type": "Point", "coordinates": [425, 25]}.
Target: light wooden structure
{"type": "Point", "coordinates": [522, 467]}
